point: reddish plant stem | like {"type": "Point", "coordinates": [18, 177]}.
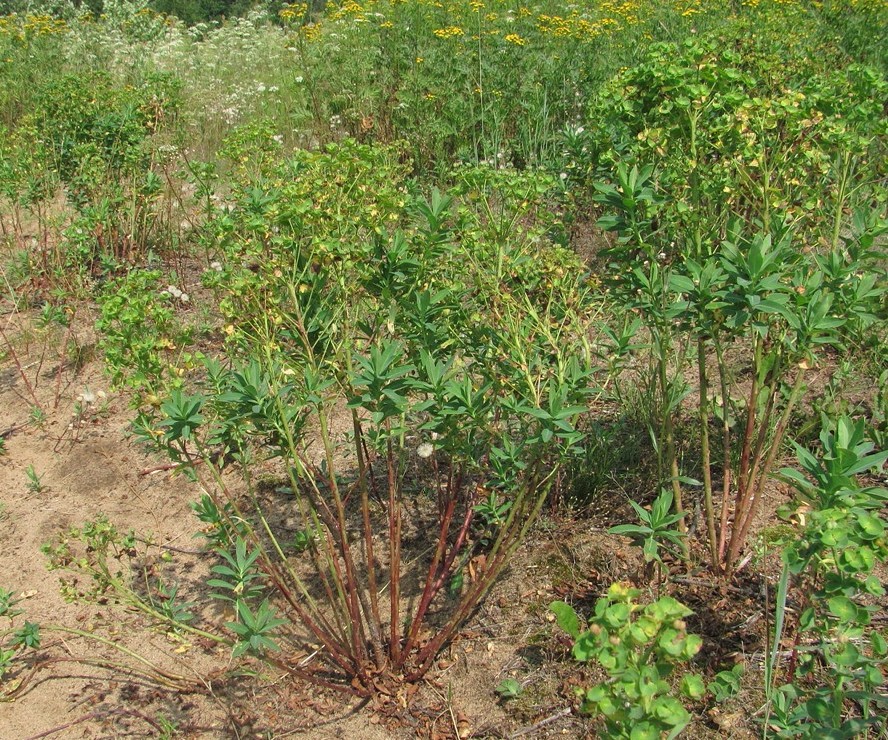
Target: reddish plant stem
{"type": "Point", "coordinates": [58, 387]}
{"type": "Point", "coordinates": [429, 591]}
{"type": "Point", "coordinates": [748, 435]}
{"type": "Point", "coordinates": [394, 553]}
{"type": "Point", "coordinates": [335, 652]}
{"type": "Point", "coordinates": [520, 519]}
{"type": "Point", "coordinates": [748, 481]}
{"type": "Point", "coordinates": [454, 551]}
{"type": "Point", "coordinates": [320, 509]}
{"type": "Point", "coordinates": [373, 618]}
{"type": "Point", "coordinates": [469, 602]}
{"type": "Point", "coordinates": [774, 450]}
{"type": "Point", "coordinates": [21, 370]}
{"type": "Point", "coordinates": [347, 581]}
{"type": "Point", "coordinates": [322, 630]}
{"type": "Point", "coordinates": [765, 424]}
{"type": "Point", "coordinates": [726, 457]}
{"type": "Point", "coordinates": [705, 452]}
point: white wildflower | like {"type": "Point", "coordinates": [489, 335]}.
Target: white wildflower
{"type": "Point", "coordinates": [425, 450]}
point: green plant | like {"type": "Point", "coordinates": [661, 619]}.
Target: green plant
{"type": "Point", "coordinates": [6, 658]}
{"type": "Point", "coordinates": [168, 728]}
{"type": "Point", "coordinates": [37, 416]}
{"type": "Point", "coordinates": [305, 539]}
{"type": "Point", "coordinates": [240, 579]}
{"type": "Point", "coordinates": [35, 481]}
{"type": "Point", "coordinates": [492, 513]}
{"type": "Point", "coordinates": [168, 603]}
{"type": "Point", "coordinates": [255, 629]}
{"type": "Point", "coordinates": [726, 684]}
{"type": "Point", "coordinates": [27, 636]}
{"type": "Point", "coordinates": [106, 565]}
{"type": "Point", "coordinates": [509, 688]}
{"type": "Point", "coordinates": [639, 647]}
{"type": "Point", "coordinates": [222, 525]}
{"type": "Point", "coordinates": [7, 604]}
{"type": "Point", "coordinates": [632, 203]}
{"type": "Point", "coordinates": [143, 344]}
{"type": "Point", "coordinates": [755, 295]}
{"type": "Point", "coordinates": [343, 293]}
{"type": "Point", "coordinates": [13, 642]}
{"type": "Point", "coordinates": [838, 657]}
{"type": "Point", "coordinates": [656, 530]}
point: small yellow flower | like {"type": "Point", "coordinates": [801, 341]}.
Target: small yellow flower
{"type": "Point", "coordinates": [514, 38]}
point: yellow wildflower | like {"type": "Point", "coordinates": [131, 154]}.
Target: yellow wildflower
{"type": "Point", "coordinates": [449, 32]}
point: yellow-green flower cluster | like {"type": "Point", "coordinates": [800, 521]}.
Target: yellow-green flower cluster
{"type": "Point", "coordinates": [576, 27]}
{"type": "Point", "coordinates": [23, 28]}
{"type": "Point", "coordinates": [293, 12]}
{"type": "Point", "coordinates": [868, 4]}
{"type": "Point", "coordinates": [449, 32]}
{"type": "Point", "coordinates": [352, 9]}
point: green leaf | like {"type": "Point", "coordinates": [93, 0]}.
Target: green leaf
{"type": "Point", "coordinates": [644, 731]}
{"type": "Point", "coordinates": [585, 647]}
{"type": "Point", "coordinates": [566, 618]}
{"type": "Point", "coordinates": [848, 656]}
{"type": "Point", "coordinates": [669, 710]}
{"type": "Point", "coordinates": [692, 686]}
{"type": "Point", "coordinates": [681, 283]}
{"type": "Point", "coordinates": [616, 615]}
{"type": "Point", "coordinates": [819, 710]}
{"type": "Point", "coordinates": [872, 525]}
{"type": "Point", "coordinates": [509, 688]}
{"type": "Point", "coordinates": [631, 529]}
{"type": "Point", "coordinates": [843, 608]}
{"type": "Point", "coordinates": [726, 683]}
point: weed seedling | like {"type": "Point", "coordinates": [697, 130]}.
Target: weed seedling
{"type": "Point", "coordinates": [168, 728]}
{"type": "Point", "coordinates": [35, 481]}
{"type": "Point", "coordinates": [509, 688]}
{"type": "Point", "coordinates": [37, 417]}
{"type": "Point", "coordinates": [7, 604]}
